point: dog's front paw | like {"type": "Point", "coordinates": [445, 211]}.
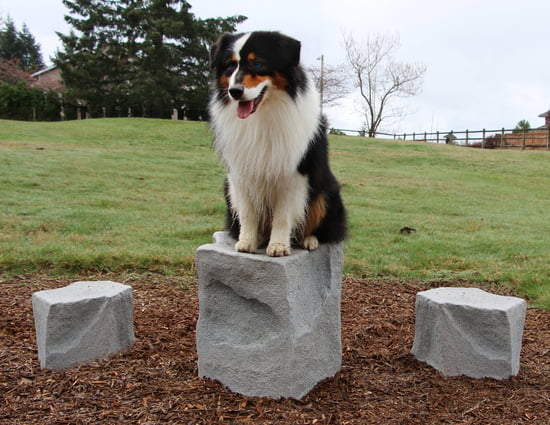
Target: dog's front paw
{"type": "Point", "coordinates": [310, 243]}
{"type": "Point", "coordinates": [278, 249]}
{"type": "Point", "coordinates": [245, 245]}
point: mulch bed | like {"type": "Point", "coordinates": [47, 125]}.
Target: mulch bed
{"type": "Point", "coordinates": [156, 381]}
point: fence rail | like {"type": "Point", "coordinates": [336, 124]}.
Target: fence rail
{"type": "Point", "coordinates": [538, 138]}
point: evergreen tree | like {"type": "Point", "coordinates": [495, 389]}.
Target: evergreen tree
{"type": "Point", "coordinates": [20, 46]}
{"type": "Point", "coordinates": [522, 126]}
{"type": "Point", "coordinates": [144, 57]}
{"type": "Point", "coordinates": [31, 57]}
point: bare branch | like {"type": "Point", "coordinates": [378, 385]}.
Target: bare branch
{"type": "Point", "coordinates": [331, 81]}
{"type": "Point", "coordinates": [379, 78]}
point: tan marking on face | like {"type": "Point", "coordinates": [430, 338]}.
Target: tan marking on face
{"type": "Point", "coordinates": [280, 81]}
{"type": "Point", "coordinates": [223, 81]}
{"type": "Point", "coordinates": [251, 81]}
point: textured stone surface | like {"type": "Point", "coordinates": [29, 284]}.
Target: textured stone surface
{"type": "Point", "coordinates": [467, 331]}
{"type": "Point", "coordinates": [269, 326]}
{"type": "Point", "coordinates": [81, 322]}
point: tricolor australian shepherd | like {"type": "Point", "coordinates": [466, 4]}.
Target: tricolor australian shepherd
{"type": "Point", "coordinates": [269, 131]}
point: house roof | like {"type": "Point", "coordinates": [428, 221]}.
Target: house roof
{"type": "Point", "coordinates": [43, 71]}
{"type": "Point", "coordinates": [545, 114]}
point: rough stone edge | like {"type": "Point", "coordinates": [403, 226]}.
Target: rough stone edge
{"type": "Point", "coordinates": [40, 329]}
{"type": "Point", "coordinates": [515, 360]}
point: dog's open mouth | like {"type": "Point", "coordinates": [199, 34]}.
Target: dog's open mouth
{"type": "Point", "coordinates": [248, 107]}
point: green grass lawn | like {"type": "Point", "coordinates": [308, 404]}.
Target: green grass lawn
{"type": "Point", "coordinates": [136, 195]}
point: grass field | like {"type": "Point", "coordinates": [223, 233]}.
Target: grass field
{"type": "Point", "coordinates": [136, 195]}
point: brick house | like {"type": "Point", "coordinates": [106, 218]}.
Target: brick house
{"type": "Point", "coordinates": [48, 79]}
{"type": "Point", "coordinates": [538, 138]}
{"type": "Point", "coordinates": [546, 116]}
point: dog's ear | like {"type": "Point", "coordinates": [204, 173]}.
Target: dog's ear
{"type": "Point", "coordinates": [217, 49]}
{"type": "Point", "coordinates": [289, 48]}
{"type": "Point", "coordinates": [294, 48]}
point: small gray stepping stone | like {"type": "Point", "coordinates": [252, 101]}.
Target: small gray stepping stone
{"type": "Point", "coordinates": [82, 322]}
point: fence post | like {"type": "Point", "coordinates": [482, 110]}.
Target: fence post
{"type": "Point", "coordinates": [425, 136]}
{"type": "Point", "coordinates": [548, 138]}
{"type": "Point", "coordinates": [404, 136]}
{"type": "Point", "coordinates": [523, 141]}
{"type": "Point", "coordinates": [467, 137]}
{"type": "Point", "coordinates": [438, 137]}
{"type": "Point", "coordinates": [502, 142]}
{"type": "Point", "coordinates": [483, 140]}
{"type": "Point", "coordinates": [414, 137]}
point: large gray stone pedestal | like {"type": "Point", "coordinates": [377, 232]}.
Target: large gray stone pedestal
{"type": "Point", "coordinates": [467, 331]}
{"type": "Point", "coordinates": [82, 322]}
{"type": "Point", "coordinates": [268, 326]}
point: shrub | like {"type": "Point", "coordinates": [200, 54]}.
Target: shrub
{"type": "Point", "coordinates": [336, 132]}
{"type": "Point", "coordinates": [19, 102]}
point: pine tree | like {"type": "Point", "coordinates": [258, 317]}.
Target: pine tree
{"type": "Point", "coordinates": [20, 46]}
{"type": "Point", "coordinates": [139, 57]}
{"type": "Point", "coordinates": [31, 58]}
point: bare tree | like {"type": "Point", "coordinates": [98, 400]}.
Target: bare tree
{"type": "Point", "coordinates": [331, 82]}
{"type": "Point", "coordinates": [380, 79]}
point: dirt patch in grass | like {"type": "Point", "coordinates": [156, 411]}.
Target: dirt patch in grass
{"type": "Point", "coordinates": [156, 381]}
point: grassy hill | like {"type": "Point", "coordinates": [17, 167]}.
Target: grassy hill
{"type": "Point", "coordinates": [135, 195]}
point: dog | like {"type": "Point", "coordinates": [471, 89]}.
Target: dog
{"type": "Point", "coordinates": [268, 129]}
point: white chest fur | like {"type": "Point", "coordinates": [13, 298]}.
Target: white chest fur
{"type": "Point", "coordinates": [271, 142]}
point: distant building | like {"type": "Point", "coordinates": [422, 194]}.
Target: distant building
{"type": "Point", "coordinates": [546, 116]}
{"type": "Point", "coordinates": [538, 138]}
{"type": "Point", "coordinates": [48, 79]}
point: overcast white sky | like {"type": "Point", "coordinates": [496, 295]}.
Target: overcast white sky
{"type": "Point", "coordinates": [488, 60]}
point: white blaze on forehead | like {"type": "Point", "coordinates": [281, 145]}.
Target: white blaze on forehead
{"type": "Point", "coordinates": [237, 53]}
{"type": "Point", "coordinates": [239, 45]}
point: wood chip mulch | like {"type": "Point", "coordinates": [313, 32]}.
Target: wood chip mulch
{"type": "Point", "coordinates": [156, 381]}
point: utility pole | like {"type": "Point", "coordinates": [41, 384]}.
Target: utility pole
{"type": "Point", "coordinates": [322, 79]}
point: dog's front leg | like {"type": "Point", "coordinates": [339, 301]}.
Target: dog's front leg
{"type": "Point", "coordinates": [288, 213]}
{"type": "Point", "coordinates": [248, 235]}
{"type": "Point", "coordinates": [279, 241]}
{"type": "Point", "coordinates": [242, 205]}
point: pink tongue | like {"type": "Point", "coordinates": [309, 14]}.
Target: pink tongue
{"type": "Point", "coordinates": [245, 109]}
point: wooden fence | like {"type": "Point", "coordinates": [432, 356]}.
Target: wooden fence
{"type": "Point", "coordinates": [485, 139]}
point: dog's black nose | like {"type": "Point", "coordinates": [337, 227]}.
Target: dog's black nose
{"type": "Point", "coordinates": [236, 92]}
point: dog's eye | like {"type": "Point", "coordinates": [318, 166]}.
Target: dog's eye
{"type": "Point", "coordinates": [257, 65]}
{"type": "Point", "coordinates": [231, 66]}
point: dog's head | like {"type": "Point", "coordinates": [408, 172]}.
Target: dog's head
{"type": "Point", "coordinates": [248, 66]}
